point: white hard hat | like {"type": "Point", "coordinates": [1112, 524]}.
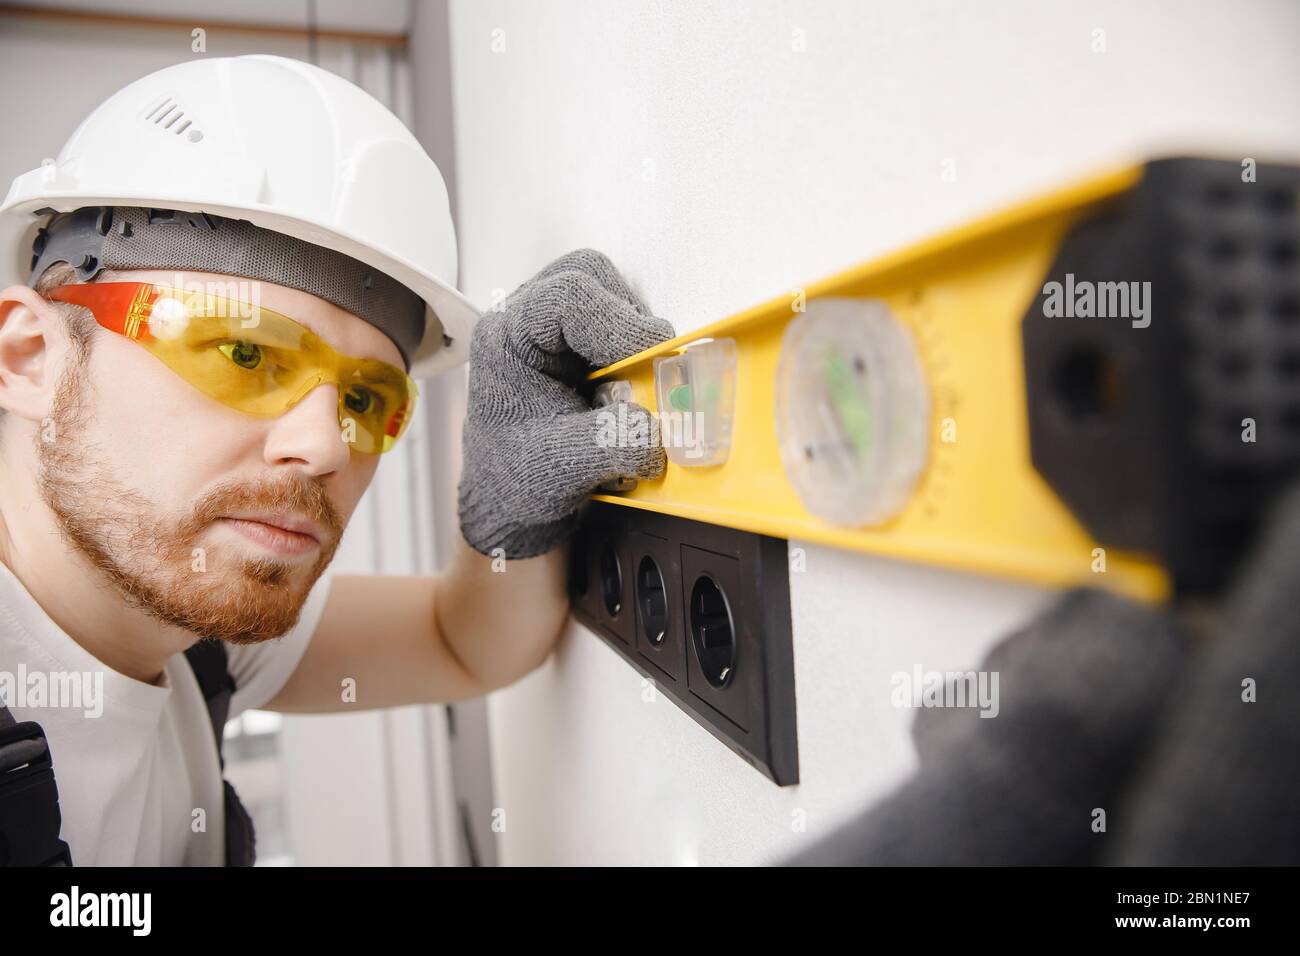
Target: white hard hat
{"type": "Point", "coordinates": [280, 143]}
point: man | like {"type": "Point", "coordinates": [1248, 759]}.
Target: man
{"type": "Point", "coordinates": [196, 384]}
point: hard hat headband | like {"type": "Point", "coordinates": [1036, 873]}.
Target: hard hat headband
{"type": "Point", "coordinates": [95, 238]}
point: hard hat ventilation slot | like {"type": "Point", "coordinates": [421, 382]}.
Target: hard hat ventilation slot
{"type": "Point", "coordinates": [162, 110]}
{"type": "Point", "coordinates": [168, 115]}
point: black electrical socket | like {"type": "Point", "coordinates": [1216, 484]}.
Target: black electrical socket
{"type": "Point", "coordinates": [612, 584]}
{"type": "Point", "coordinates": [657, 593]}
{"type": "Point", "coordinates": [722, 640]}
{"type": "Point", "coordinates": [704, 611]}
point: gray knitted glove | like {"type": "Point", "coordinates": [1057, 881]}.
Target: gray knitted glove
{"type": "Point", "coordinates": [532, 449]}
{"type": "Point", "coordinates": [1220, 788]}
{"type": "Point", "coordinates": [1080, 691]}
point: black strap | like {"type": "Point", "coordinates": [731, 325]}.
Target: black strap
{"type": "Point", "coordinates": [30, 820]}
{"type": "Point", "coordinates": [208, 660]}
{"type": "Point", "coordinates": [29, 797]}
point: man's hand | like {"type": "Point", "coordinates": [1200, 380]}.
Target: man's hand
{"type": "Point", "coordinates": [531, 449]}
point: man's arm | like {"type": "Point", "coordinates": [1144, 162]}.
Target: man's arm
{"type": "Point", "coordinates": [419, 639]}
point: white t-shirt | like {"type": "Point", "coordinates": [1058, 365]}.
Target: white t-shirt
{"type": "Point", "coordinates": [131, 777]}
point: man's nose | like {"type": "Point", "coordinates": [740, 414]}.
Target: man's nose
{"type": "Point", "coordinates": [309, 433]}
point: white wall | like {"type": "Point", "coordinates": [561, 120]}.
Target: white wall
{"type": "Point", "coordinates": [718, 167]}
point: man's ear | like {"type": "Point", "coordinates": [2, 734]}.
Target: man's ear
{"type": "Point", "coordinates": [27, 332]}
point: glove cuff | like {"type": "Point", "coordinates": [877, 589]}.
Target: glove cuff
{"type": "Point", "coordinates": [517, 542]}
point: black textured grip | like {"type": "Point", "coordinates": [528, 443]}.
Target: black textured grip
{"type": "Point", "coordinates": [1170, 434]}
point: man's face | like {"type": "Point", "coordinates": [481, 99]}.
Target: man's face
{"type": "Point", "coordinates": [159, 486]}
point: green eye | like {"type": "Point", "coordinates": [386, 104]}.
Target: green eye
{"type": "Point", "coordinates": [243, 354]}
{"type": "Point", "coordinates": [360, 401]}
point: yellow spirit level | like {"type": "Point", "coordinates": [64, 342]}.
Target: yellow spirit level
{"type": "Point", "coordinates": [1022, 396]}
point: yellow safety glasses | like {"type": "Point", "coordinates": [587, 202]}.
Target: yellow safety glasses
{"type": "Point", "coordinates": [251, 359]}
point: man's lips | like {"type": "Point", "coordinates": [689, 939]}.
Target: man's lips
{"type": "Point", "coordinates": [294, 523]}
{"type": "Point", "coordinates": [284, 534]}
